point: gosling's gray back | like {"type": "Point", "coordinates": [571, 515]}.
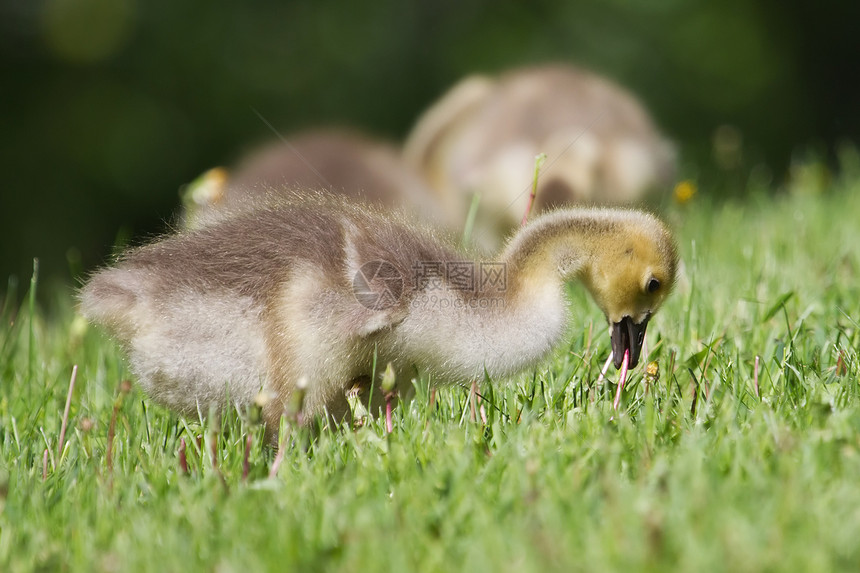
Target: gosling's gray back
{"type": "Point", "coordinates": [250, 253]}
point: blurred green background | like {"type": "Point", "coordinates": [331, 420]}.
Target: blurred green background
{"type": "Point", "coordinates": [109, 106]}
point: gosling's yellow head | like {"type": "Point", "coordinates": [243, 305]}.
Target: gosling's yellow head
{"type": "Point", "coordinates": [631, 272]}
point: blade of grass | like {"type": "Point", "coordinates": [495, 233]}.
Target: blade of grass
{"type": "Point", "coordinates": [469, 227]}
{"type": "Point", "coordinates": [31, 358]}
{"type": "Point", "coordinates": [540, 158]}
{"type": "Point", "coordinates": [66, 412]}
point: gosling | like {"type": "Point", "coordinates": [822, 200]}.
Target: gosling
{"type": "Point", "coordinates": [319, 289]}
{"type": "Point", "coordinates": [482, 137]}
{"type": "Point", "coordinates": [342, 161]}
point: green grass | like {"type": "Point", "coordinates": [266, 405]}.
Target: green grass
{"type": "Point", "coordinates": [698, 473]}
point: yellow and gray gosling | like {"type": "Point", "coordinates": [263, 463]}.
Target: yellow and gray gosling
{"type": "Point", "coordinates": [337, 160]}
{"type": "Point", "coordinates": [313, 288]}
{"type": "Point", "coordinates": [482, 137]}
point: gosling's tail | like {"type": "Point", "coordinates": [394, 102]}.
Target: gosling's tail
{"type": "Point", "coordinates": [111, 299]}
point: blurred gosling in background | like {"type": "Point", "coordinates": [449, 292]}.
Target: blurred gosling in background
{"type": "Point", "coordinates": [483, 135]}
{"type": "Point", "coordinates": [335, 160]}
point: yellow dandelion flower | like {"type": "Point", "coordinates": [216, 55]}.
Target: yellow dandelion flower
{"type": "Point", "coordinates": [684, 191]}
{"type": "Point", "coordinates": [207, 189]}
{"type": "Point", "coordinates": [652, 371]}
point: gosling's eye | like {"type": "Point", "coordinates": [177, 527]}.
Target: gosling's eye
{"type": "Point", "coordinates": [653, 285]}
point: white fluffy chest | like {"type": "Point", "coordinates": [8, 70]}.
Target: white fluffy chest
{"type": "Point", "coordinates": [458, 337]}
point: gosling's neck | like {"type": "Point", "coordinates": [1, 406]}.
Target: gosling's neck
{"type": "Point", "coordinates": [556, 248]}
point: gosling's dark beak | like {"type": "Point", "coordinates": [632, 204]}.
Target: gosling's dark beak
{"type": "Point", "coordinates": [626, 335]}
